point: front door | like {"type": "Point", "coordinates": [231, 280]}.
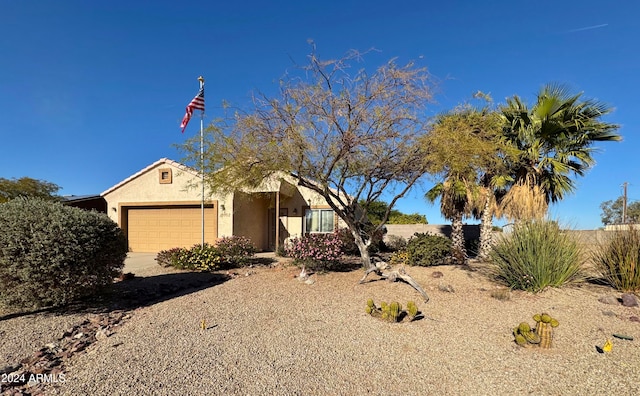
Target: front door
{"type": "Point", "coordinates": [283, 225]}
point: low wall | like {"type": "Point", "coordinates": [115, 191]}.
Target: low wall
{"type": "Point", "coordinates": [407, 230]}
{"type": "Point", "coordinates": [584, 237]}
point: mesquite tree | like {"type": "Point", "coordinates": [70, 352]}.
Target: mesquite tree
{"type": "Point", "coordinates": [345, 133]}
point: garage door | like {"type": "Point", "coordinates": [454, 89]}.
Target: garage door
{"type": "Point", "coordinates": [152, 229]}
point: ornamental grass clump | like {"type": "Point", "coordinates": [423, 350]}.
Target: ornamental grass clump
{"type": "Point", "coordinates": [618, 260]}
{"type": "Point", "coordinates": [316, 251]}
{"type": "Point", "coordinates": [537, 254]}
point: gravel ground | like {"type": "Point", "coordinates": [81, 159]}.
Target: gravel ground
{"type": "Point", "coordinates": [269, 333]}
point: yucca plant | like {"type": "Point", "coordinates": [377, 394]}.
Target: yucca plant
{"type": "Point", "coordinates": [536, 255]}
{"type": "Point", "coordinates": [618, 260]}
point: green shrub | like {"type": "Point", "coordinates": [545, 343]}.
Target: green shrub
{"type": "Point", "coordinates": [235, 250]}
{"type": "Point", "coordinates": [347, 242]}
{"type": "Point", "coordinates": [207, 258]}
{"type": "Point", "coordinates": [426, 250]}
{"type": "Point", "coordinates": [195, 258]}
{"type": "Point", "coordinates": [175, 257]}
{"type": "Point", "coordinates": [395, 243]}
{"type": "Point", "coordinates": [618, 260]}
{"type": "Point", "coordinates": [349, 247]}
{"type": "Point", "coordinates": [282, 250]}
{"type": "Point", "coordinates": [401, 257]}
{"type": "Point", "coordinates": [51, 254]}
{"type": "Point", "coordinates": [536, 255]}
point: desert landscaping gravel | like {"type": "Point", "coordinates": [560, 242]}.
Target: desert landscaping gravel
{"type": "Point", "coordinates": [268, 333]}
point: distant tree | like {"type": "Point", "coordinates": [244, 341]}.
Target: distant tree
{"type": "Point", "coordinates": [347, 136]}
{"type": "Point", "coordinates": [404, 218]}
{"type": "Point", "coordinates": [555, 138]}
{"type": "Point", "coordinates": [377, 209]}
{"type": "Point", "coordinates": [27, 187]}
{"type": "Point", "coordinates": [612, 211]}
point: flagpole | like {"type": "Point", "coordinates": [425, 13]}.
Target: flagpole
{"type": "Point", "coordinates": [201, 79]}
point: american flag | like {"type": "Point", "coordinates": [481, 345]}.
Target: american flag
{"type": "Point", "coordinates": [196, 103]}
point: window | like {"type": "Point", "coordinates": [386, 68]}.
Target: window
{"type": "Point", "coordinates": [319, 220]}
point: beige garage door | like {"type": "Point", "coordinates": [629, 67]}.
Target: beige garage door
{"type": "Point", "coordinates": [152, 229]}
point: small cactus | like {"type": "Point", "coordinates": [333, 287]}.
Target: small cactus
{"type": "Point", "coordinates": [412, 310]}
{"type": "Point", "coordinates": [541, 335]}
{"type": "Point", "coordinates": [524, 328]}
{"type": "Point", "coordinates": [520, 340]}
{"type": "Point", "coordinates": [391, 312]}
{"type": "Point", "coordinates": [544, 329]}
{"type": "Point", "coordinates": [531, 337]}
{"type": "Point", "coordinates": [394, 311]}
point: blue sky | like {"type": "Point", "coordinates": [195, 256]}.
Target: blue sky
{"type": "Point", "coordinates": [92, 92]}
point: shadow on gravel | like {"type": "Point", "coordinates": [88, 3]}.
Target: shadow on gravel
{"type": "Point", "coordinates": [134, 293]}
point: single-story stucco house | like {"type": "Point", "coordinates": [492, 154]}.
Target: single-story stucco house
{"type": "Point", "coordinates": [159, 208]}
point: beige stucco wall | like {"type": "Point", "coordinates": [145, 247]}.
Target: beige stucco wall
{"type": "Point", "coordinates": [250, 218]}
{"type": "Point", "coordinates": [145, 187]}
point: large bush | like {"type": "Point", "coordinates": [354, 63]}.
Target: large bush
{"type": "Point", "coordinates": [618, 260]}
{"type": "Point", "coordinates": [537, 254]}
{"type": "Point", "coordinates": [425, 249]}
{"type": "Point", "coordinates": [316, 251]}
{"type": "Point", "coordinates": [51, 254]}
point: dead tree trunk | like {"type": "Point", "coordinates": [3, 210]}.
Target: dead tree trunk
{"type": "Point", "coordinates": [394, 275]}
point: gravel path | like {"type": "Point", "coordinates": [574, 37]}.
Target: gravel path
{"type": "Point", "coordinates": [268, 333]}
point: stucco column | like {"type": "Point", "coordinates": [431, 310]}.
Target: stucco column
{"type": "Point", "coordinates": [277, 220]}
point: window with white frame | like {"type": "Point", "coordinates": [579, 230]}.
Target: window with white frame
{"type": "Point", "coordinates": [318, 220]}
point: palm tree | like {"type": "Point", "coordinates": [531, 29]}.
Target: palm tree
{"type": "Point", "coordinates": [458, 198]}
{"type": "Point", "coordinates": [463, 145]}
{"type": "Point", "coordinates": [555, 138]}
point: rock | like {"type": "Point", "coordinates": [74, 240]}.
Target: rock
{"type": "Point", "coordinates": [611, 300]}
{"type": "Point", "coordinates": [629, 300]}
{"type": "Point", "coordinates": [634, 319]}
{"type": "Point", "coordinates": [446, 288]}
{"type": "Point", "coordinates": [609, 313]}
{"type": "Point", "coordinates": [102, 334]}
{"type": "Point", "coordinates": [437, 274]}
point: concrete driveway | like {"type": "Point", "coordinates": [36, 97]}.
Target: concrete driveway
{"type": "Point", "coordinates": [142, 264]}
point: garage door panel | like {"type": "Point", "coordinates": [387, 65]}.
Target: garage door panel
{"type": "Point", "coordinates": [153, 229]}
